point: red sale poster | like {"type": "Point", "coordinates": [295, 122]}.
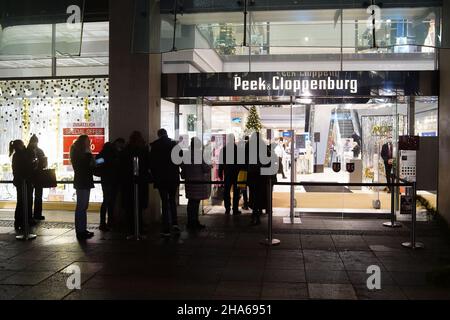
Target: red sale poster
{"type": "Point", "coordinates": [96, 135]}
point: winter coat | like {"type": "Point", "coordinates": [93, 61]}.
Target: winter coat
{"type": "Point", "coordinates": [22, 167]}
{"type": "Point", "coordinates": [83, 164]}
{"type": "Point", "coordinates": [164, 172]}
{"type": "Point", "coordinates": [109, 172]}
{"type": "Point", "coordinates": [258, 185]}
{"type": "Point", "coordinates": [197, 172]}
{"type": "Point", "coordinates": [40, 164]}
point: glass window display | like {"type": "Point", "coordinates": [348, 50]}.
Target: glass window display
{"type": "Point", "coordinates": [316, 142]}
{"type": "Point", "coordinates": [57, 111]}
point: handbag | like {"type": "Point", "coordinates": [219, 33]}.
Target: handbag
{"type": "Point", "coordinates": [46, 178]}
{"type": "Point", "coordinates": [242, 176]}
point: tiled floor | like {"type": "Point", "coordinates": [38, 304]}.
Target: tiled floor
{"type": "Point", "coordinates": [226, 261]}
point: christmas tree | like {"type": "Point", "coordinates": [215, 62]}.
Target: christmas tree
{"type": "Point", "coordinates": [253, 121]}
{"type": "Point", "coordinates": [226, 43]}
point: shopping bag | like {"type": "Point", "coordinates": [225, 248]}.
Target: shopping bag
{"type": "Point", "coordinates": [46, 178]}
{"type": "Point", "coordinates": [242, 176]}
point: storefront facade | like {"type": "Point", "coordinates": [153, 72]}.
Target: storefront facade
{"type": "Point", "coordinates": [54, 83]}
{"type": "Point", "coordinates": [310, 67]}
{"type": "Point", "coordinates": [320, 119]}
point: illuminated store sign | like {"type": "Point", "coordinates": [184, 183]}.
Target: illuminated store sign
{"type": "Point", "coordinates": [299, 86]}
{"type": "Point", "coordinates": [299, 83]}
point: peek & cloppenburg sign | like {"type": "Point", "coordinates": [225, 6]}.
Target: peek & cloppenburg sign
{"type": "Point", "coordinates": [300, 86]}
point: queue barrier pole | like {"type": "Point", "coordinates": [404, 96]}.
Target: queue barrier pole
{"type": "Point", "coordinates": [27, 235]}
{"type": "Point", "coordinates": [136, 235]}
{"type": "Point", "coordinates": [270, 241]}
{"type": "Point", "coordinates": [413, 244]}
{"type": "Point", "coordinates": [393, 223]}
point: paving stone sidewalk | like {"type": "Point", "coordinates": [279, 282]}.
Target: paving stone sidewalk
{"type": "Point", "coordinates": [319, 260]}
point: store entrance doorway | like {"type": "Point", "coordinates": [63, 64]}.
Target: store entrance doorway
{"type": "Point", "coordinates": [318, 140]}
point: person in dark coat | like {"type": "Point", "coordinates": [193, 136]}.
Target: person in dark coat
{"type": "Point", "coordinates": [83, 164]}
{"type": "Point", "coordinates": [245, 168]}
{"type": "Point", "coordinates": [40, 164]}
{"type": "Point", "coordinates": [166, 176]}
{"type": "Point", "coordinates": [357, 148]}
{"type": "Point", "coordinates": [259, 183]}
{"type": "Point", "coordinates": [108, 166]}
{"type": "Point", "coordinates": [22, 173]}
{"type": "Point", "coordinates": [356, 138]}
{"type": "Point", "coordinates": [228, 172]}
{"type": "Point", "coordinates": [196, 192]}
{"type": "Point", "coordinates": [387, 154]}
{"type": "Point", "coordinates": [136, 148]}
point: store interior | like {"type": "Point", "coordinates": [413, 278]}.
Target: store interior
{"type": "Point", "coordinates": [325, 131]}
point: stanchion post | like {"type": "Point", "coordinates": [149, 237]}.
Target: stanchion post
{"type": "Point", "coordinates": [270, 241]}
{"type": "Point", "coordinates": [137, 236]}
{"type": "Point", "coordinates": [26, 226]}
{"type": "Point", "coordinates": [413, 244]}
{"type": "Point", "coordinates": [393, 223]}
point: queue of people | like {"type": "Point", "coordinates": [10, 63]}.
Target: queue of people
{"type": "Point", "coordinates": [27, 161]}
{"type": "Point", "coordinates": [116, 167]}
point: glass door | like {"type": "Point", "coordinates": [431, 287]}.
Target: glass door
{"type": "Point", "coordinates": [343, 144]}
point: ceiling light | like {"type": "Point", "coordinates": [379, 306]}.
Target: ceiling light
{"type": "Point", "coordinates": [304, 100]}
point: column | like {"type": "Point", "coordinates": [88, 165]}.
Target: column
{"type": "Point", "coordinates": [135, 86]}
{"type": "Point", "coordinates": [444, 116]}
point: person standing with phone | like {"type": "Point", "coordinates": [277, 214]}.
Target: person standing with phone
{"type": "Point", "coordinates": [83, 164]}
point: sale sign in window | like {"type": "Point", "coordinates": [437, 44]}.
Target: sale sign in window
{"type": "Point", "coordinates": [96, 135]}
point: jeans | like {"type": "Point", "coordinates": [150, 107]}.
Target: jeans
{"type": "Point", "coordinates": [230, 181]}
{"type": "Point", "coordinates": [81, 210]}
{"type": "Point", "coordinates": [168, 206]}
{"type": "Point", "coordinates": [37, 202]}
{"type": "Point", "coordinates": [192, 212]}
{"type": "Point", "coordinates": [18, 215]}
{"type": "Point", "coordinates": [109, 202]}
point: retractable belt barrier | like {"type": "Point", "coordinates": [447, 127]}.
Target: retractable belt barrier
{"type": "Point", "coordinates": [413, 244]}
